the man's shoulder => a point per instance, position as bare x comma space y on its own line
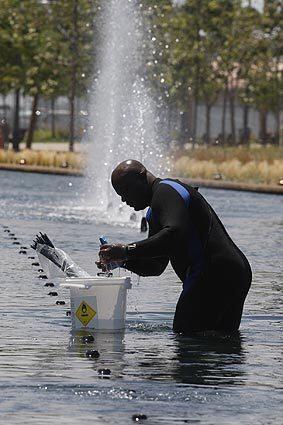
167, 188
167, 183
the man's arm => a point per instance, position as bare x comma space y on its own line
171, 215
147, 266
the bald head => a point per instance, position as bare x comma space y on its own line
132, 181
131, 167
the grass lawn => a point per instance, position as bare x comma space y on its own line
46, 158
255, 164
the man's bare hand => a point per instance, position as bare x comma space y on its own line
114, 252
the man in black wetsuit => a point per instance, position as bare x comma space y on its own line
183, 229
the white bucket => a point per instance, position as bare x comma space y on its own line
98, 302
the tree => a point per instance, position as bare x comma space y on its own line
264, 78
29, 53
41, 53
73, 24
12, 67
181, 43
189, 57
198, 38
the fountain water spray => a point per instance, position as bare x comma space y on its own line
122, 114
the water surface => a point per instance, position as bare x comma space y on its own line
44, 375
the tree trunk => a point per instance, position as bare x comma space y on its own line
277, 126
280, 125
73, 73
190, 117
53, 131
207, 123
279, 116
263, 126
32, 122
232, 116
171, 124
72, 123
16, 122
184, 130
246, 130
195, 121
224, 109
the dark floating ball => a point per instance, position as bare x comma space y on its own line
42, 276
40, 270
139, 417
60, 303
12, 234
5, 227
7, 230
53, 294
35, 264
22, 251
31, 258
16, 243
94, 354
104, 372
87, 339
24, 247
14, 239
49, 284
68, 313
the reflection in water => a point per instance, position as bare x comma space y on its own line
209, 360
110, 342
110, 346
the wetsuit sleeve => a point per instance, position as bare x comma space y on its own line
147, 266
169, 209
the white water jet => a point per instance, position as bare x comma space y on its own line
123, 122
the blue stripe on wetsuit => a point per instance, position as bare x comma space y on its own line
195, 244
179, 188
148, 214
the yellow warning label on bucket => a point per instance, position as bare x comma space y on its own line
85, 313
